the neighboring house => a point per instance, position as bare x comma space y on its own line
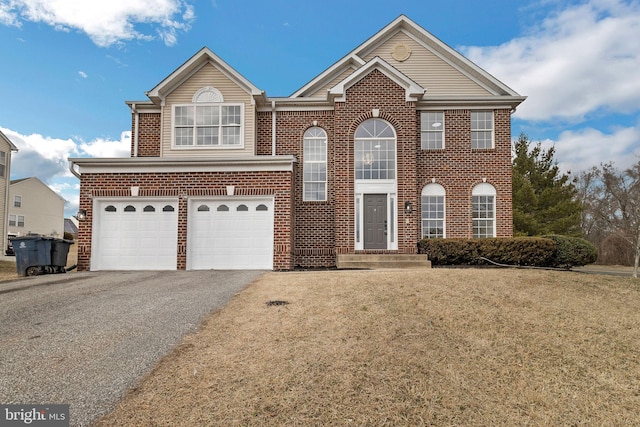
34, 208
402, 138
6, 148
71, 227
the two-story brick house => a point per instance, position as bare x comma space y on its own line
402, 138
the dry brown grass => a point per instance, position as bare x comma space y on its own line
441, 347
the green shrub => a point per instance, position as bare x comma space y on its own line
547, 251
572, 252
529, 251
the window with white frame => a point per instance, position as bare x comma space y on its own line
208, 122
315, 164
17, 201
432, 130
375, 151
481, 129
433, 211
16, 220
483, 207
3, 163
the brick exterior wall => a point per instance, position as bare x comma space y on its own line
311, 234
148, 134
458, 168
182, 186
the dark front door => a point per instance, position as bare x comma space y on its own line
375, 221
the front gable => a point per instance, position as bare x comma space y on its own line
422, 58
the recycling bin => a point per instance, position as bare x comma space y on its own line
33, 254
59, 252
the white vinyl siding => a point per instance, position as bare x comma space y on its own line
207, 76
427, 69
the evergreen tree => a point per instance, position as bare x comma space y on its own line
544, 200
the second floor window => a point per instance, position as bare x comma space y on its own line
207, 125
16, 220
481, 129
315, 164
432, 130
17, 201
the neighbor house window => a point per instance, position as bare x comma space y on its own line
16, 220
433, 211
315, 164
482, 129
483, 207
3, 163
375, 151
432, 130
17, 201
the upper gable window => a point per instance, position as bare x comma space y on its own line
482, 129
208, 122
432, 130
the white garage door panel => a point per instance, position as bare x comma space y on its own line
231, 234
135, 235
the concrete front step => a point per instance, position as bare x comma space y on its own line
377, 261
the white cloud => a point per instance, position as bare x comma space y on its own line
47, 159
579, 60
83, 74
579, 150
106, 22
106, 147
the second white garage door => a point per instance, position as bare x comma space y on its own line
230, 234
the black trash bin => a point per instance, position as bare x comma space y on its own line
59, 253
33, 254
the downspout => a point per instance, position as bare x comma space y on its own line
7, 174
135, 129
273, 128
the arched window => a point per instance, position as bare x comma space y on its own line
242, 208
223, 208
168, 208
262, 208
129, 208
149, 208
110, 208
203, 208
483, 206
315, 164
433, 211
375, 150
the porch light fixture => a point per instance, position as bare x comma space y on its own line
82, 215
408, 207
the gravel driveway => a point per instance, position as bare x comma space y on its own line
84, 338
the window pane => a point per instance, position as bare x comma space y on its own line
315, 164
207, 115
207, 136
432, 130
433, 216
231, 136
184, 116
184, 136
231, 115
481, 129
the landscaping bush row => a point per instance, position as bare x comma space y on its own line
547, 251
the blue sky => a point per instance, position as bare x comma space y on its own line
69, 65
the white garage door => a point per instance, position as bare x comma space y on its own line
135, 235
230, 234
